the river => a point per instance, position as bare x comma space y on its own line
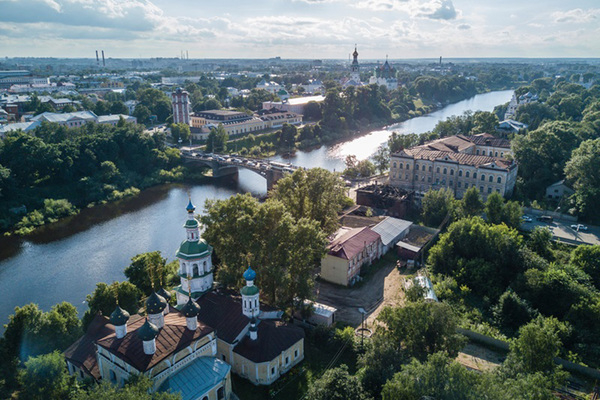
63, 262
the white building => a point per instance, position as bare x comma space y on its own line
295, 105
271, 86
385, 75
354, 79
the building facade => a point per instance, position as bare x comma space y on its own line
458, 163
181, 106
385, 75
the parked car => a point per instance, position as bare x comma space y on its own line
579, 227
545, 218
526, 218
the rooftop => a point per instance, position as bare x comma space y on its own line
390, 228
274, 337
348, 245
196, 378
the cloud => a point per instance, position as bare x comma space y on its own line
576, 15
132, 15
382, 5
464, 27
437, 9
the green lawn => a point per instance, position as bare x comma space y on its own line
294, 384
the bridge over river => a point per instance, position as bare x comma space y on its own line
224, 165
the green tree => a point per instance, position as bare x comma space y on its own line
483, 257
583, 169
381, 158
512, 311
337, 384
484, 122
422, 328
587, 258
540, 241
378, 364
217, 140
139, 387
46, 377
316, 194
150, 271
471, 203
437, 205
494, 208
287, 139
535, 348
118, 107
180, 131
104, 300
142, 114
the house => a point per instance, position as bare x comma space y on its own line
511, 126
391, 230
348, 252
321, 314
558, 189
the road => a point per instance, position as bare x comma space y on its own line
562, 231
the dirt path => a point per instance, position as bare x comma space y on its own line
383, 288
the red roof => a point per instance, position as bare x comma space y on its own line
353, 242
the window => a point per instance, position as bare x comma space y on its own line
482, 177
474, 175
272, 370
467, 174
496, 154
407, 166
429, 179
437, 181
406, 176
221, 393
499, 180
501, 154
491, 179
287, 360
451, 183
480, 189
459, 184
430, 168
489, 190
417, 167
195, 270
423, 178
224, 358
416, 177
451, 172
460, 172
438, 170
445, 171
477, 152
296, 353
394, 164
113, 376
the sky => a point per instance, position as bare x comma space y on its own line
305, 29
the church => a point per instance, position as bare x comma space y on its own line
191, 348
385, 75
354, 78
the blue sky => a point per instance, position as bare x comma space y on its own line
300, 28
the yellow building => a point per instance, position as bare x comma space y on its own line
348, 252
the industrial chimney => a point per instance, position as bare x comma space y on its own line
103, 62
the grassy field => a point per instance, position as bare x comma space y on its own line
294, 384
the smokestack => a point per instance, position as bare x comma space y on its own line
103, 61
187, 55
97, 59
440, 60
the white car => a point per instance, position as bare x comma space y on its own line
579, 227
526, 218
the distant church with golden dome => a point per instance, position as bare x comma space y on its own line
193, 347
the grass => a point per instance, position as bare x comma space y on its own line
294, 384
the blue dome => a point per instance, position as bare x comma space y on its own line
190, 207
249, 275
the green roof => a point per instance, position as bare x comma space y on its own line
194, 249
191, 223
195, 295
249, 290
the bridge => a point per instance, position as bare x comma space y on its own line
225, 165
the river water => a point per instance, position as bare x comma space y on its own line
63, 262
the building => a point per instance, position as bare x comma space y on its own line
559, 189
321, 314
191, 348
24, 126
348, 252
80, 118
515, 102
391, 230
458, 163
269, 86
384, 75
19, 77
295, 105
511, 126
313, 86
354, 78
233, 122
274, 118
181, 106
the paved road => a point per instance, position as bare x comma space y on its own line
561, 230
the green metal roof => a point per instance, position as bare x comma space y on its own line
249, 290
197, 378
191, 223
189, 250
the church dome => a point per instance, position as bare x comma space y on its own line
190, 207
190, 309
191, 223
192, 249
155, 304
249, 275
148, 331
119, 317
162, 292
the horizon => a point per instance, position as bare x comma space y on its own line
317, 29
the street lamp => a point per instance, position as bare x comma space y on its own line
362, 324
